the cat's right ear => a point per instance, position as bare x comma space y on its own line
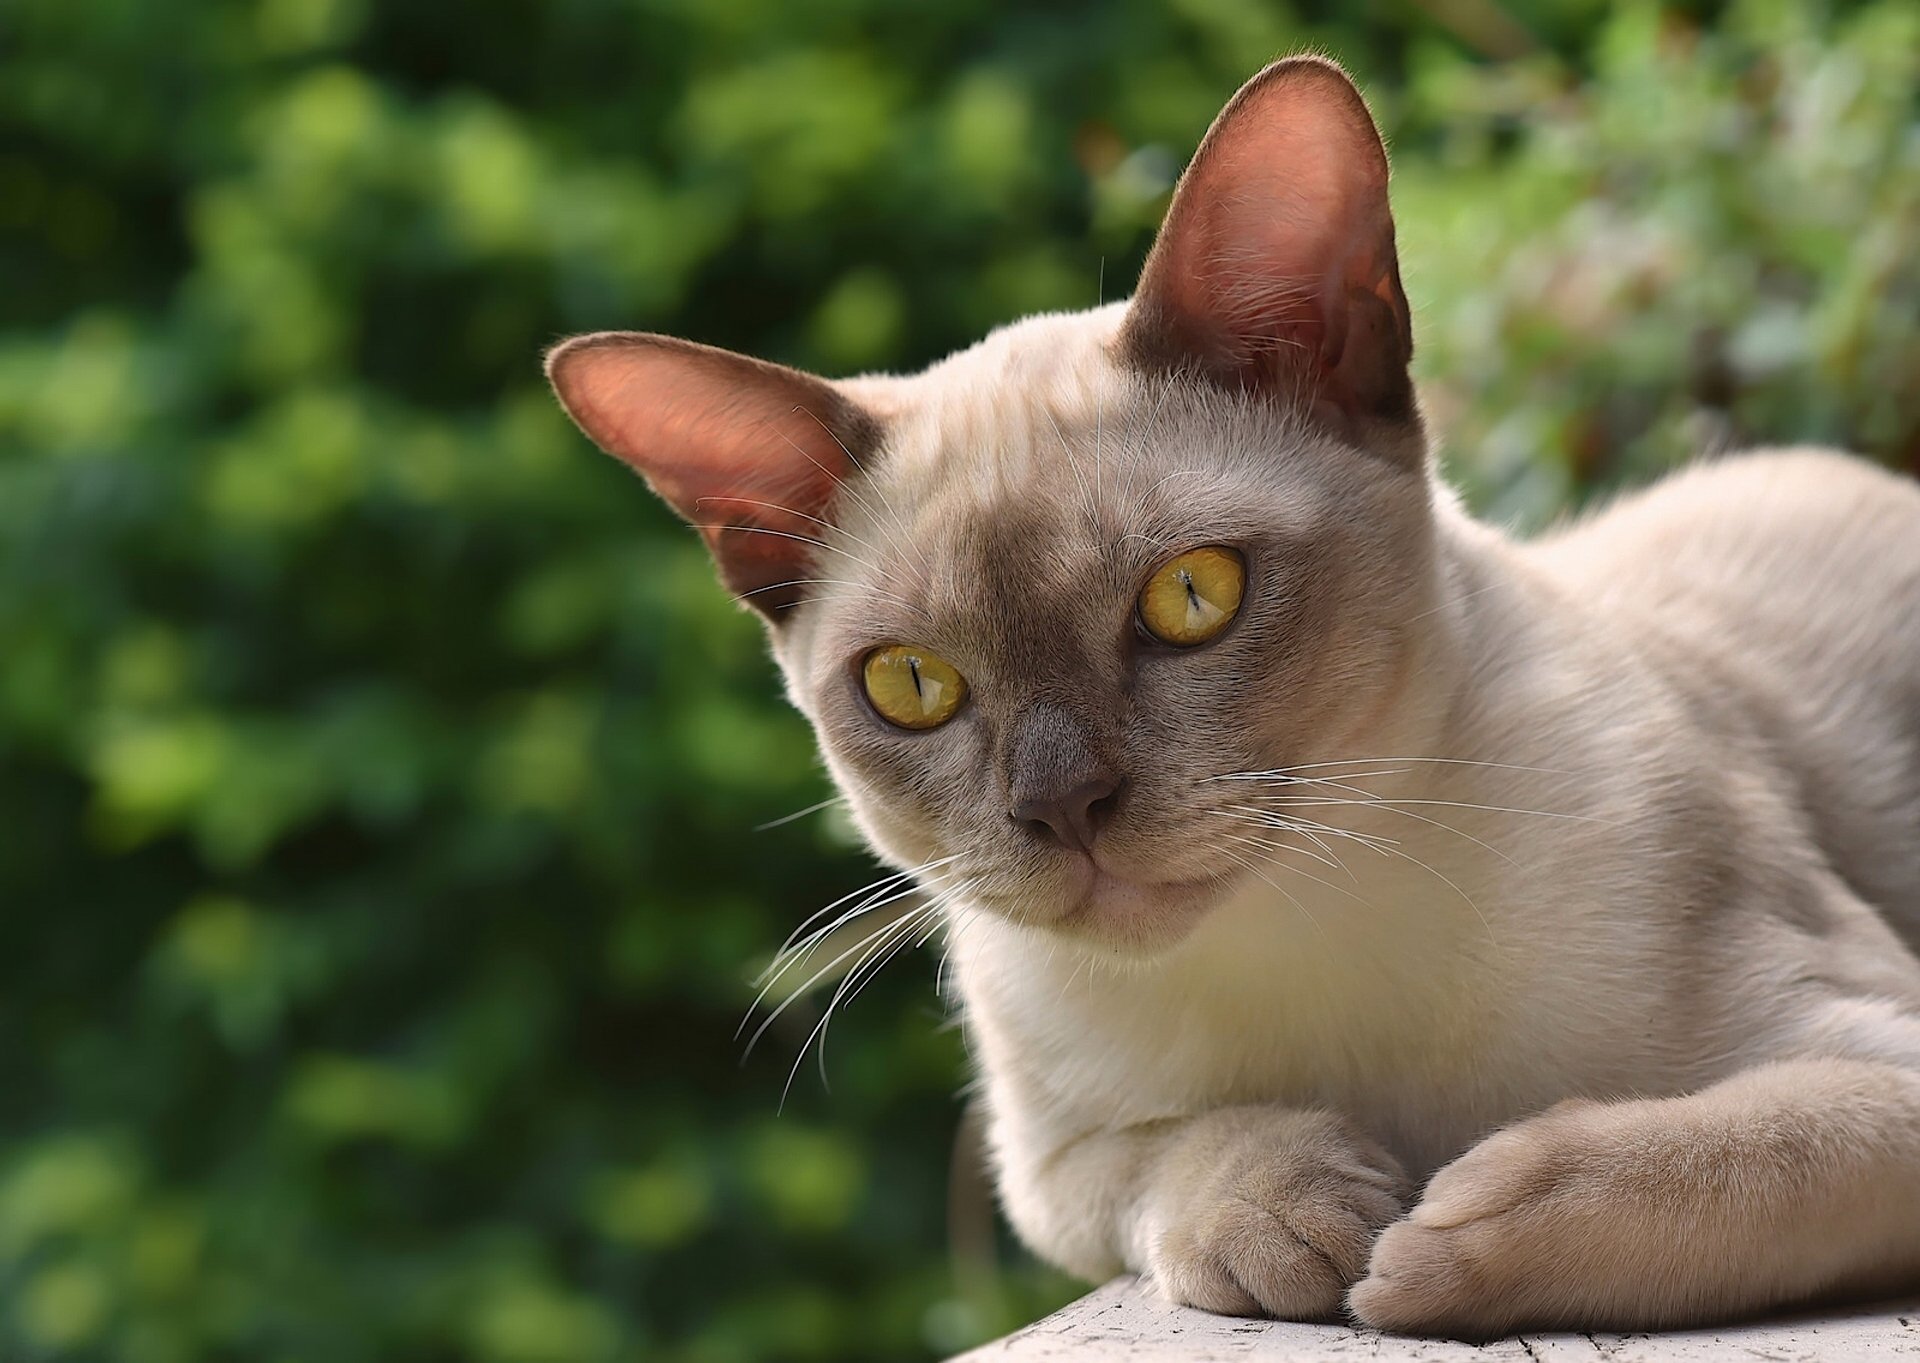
1275, 272
751, 453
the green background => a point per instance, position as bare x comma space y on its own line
379, 765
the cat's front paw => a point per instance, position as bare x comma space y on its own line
1540, 1224
1272, 1215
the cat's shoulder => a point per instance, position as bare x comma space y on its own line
1768, 502
1801, 475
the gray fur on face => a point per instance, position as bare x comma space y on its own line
1013, 538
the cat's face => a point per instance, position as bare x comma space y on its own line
953, 564
1012, 539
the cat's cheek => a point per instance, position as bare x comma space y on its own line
895, 842
905, 793
894, 828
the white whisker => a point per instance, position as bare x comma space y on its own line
880, 519
789, 535
1277, 779
829, 526
1273, 847
1369, 799
1086, 496
1254, 814
1244, 862
798, 948
800, 813
835, 582
839, 482
1391, 802
885, 880
1100, 403
891, 940
1368, 761
1455, 601
856, 949
878, 946
1291, 847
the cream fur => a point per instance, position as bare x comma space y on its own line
1710, 697
1588, 994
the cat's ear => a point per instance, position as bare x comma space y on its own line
751, 453
1275, 269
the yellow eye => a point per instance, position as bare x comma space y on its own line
912, 687
1193, 596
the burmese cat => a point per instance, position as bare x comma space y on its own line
1350, 906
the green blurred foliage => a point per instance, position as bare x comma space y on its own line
379, 766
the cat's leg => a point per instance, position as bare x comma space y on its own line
1245, 1210
1793, 1180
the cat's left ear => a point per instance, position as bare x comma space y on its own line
1275, 270
752, 453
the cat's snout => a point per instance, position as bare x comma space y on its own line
1074, 817
1060, 784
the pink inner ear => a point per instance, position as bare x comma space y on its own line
1276, 266
751, 453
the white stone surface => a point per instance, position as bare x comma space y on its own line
1124, 1322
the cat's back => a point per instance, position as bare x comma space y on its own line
1792, 576
1803, 562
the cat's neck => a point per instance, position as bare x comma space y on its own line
1491, 615
1483, 599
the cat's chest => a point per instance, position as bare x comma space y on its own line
1407, 1035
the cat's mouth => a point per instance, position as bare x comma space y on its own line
1110, 907
1119, 910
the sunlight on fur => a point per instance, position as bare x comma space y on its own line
1387, 917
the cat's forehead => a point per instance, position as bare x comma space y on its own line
1012, 467
1005, 412
1027, 484
1041, 439
1015, 557
1042, 423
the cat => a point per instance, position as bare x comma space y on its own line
1350, 907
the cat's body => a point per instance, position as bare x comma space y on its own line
1646, 759
1303, 841
1646, 703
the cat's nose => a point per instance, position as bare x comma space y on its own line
1073, 817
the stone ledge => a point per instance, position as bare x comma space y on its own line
1124, 1321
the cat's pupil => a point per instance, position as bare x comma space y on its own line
913, 670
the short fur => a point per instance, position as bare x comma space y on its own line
1488, 934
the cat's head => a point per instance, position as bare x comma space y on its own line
1037, 599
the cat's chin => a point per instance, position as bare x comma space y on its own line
1140, 917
